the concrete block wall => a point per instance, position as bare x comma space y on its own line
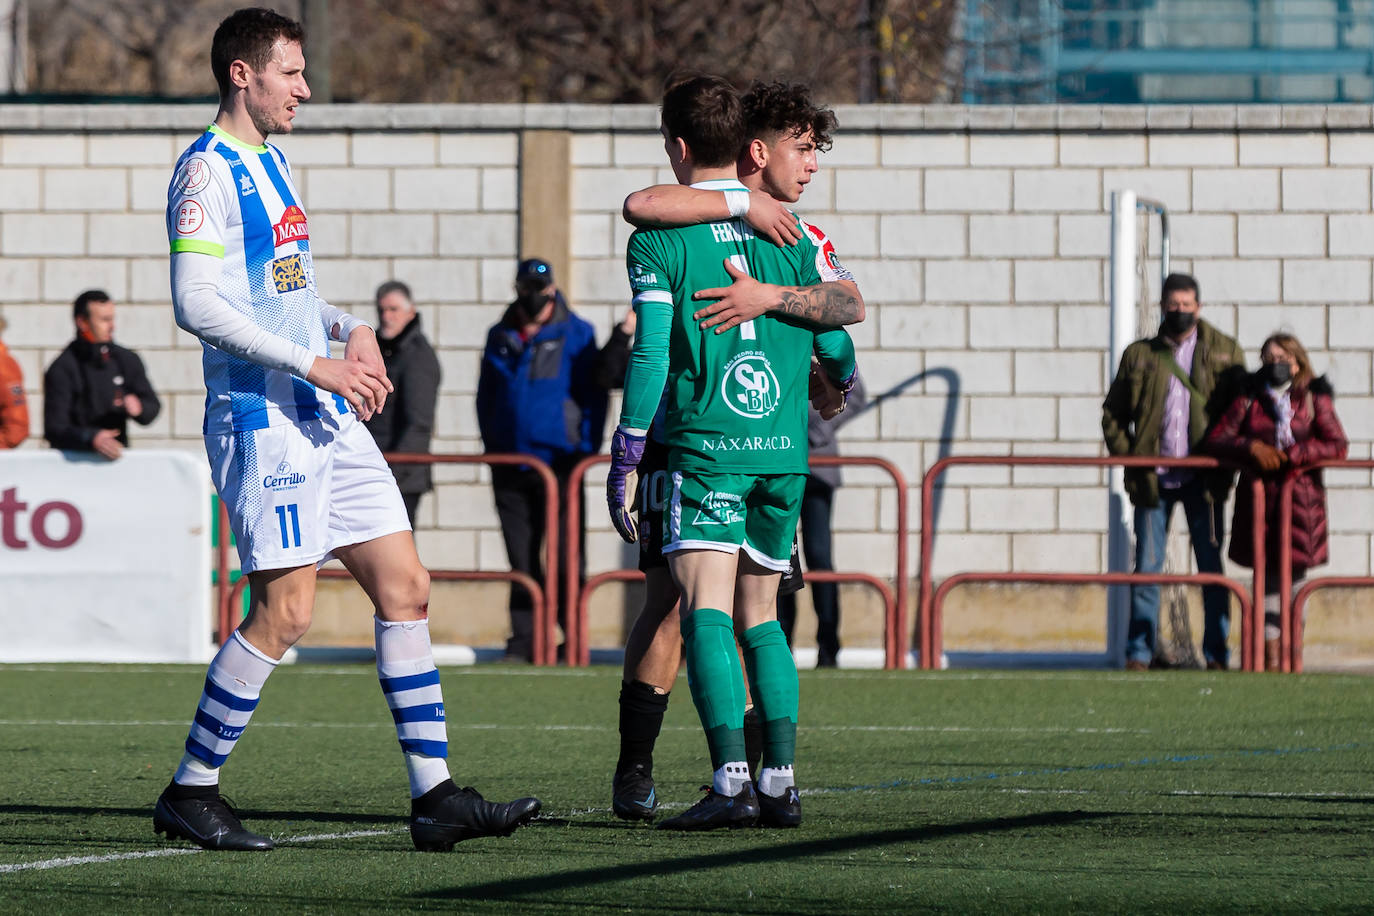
979, 236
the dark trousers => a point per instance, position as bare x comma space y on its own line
817, 505
520, 506
412, 504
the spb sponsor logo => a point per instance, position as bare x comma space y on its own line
750, 387
284, 479
288, 274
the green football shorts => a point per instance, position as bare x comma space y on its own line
728, 511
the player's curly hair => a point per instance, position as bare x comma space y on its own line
706, 112
249, 35
777, 109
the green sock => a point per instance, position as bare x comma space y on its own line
716, 682
773, 680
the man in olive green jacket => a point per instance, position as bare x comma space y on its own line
1167, 392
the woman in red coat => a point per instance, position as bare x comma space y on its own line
1283, 420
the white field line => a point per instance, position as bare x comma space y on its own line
500, 726
68, 861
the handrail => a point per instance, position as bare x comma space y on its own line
890, 630
929, 637
895, 623
524, 580
1290, 607
1033, 578
544, 610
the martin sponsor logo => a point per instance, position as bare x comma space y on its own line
292, 227
747, 444
733, 231
284, 479
749, 386
246, 188
719, 509
288, 274
194, 177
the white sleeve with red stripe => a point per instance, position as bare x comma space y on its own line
827, 262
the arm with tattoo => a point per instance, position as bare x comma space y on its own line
826, 305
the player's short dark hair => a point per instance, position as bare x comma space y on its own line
1176, 282
81, 308
249, 35
773, 110
393, 286
706, 112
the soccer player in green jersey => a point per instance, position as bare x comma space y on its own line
736, 434
786, 130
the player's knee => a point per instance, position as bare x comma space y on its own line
290, 618
405, 596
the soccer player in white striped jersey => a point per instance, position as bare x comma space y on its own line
300, 475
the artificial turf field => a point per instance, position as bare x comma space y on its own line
955, 791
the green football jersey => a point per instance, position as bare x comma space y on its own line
736, 402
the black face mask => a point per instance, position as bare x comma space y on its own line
1176, 324
1276, 374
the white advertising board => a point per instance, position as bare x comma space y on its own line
104, 561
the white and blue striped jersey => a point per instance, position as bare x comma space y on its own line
236, 202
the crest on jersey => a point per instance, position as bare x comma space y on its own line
292, 227
190, 217
288, 274
194, 177
750, 387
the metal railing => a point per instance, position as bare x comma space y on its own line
1291, 606
894, 600
930, 630
544, 606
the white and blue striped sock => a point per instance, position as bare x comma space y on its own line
231, 693
405, 667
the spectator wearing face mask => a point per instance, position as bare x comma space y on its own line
538, 394
1168, 390
1283, 419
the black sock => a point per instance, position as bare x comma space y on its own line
753, 739
178, 791
641, 719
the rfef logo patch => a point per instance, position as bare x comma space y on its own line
292, 227
749, 385
288, 274
190, 217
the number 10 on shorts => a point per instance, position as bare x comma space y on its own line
295, 531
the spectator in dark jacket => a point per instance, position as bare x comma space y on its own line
407, 423
1283, 420
95, 386
818, 505
537, 395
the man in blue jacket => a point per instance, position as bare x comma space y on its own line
537, 395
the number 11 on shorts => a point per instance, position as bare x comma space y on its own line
295, 532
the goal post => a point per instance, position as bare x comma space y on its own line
1124, 326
